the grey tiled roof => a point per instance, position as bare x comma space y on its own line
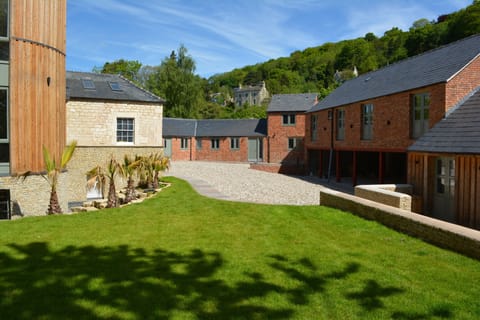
459, 132
214, 128
232, 128
435, 66
292, 102
173, 127
103, 91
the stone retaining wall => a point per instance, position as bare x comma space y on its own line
437, 232
30, 197
395, 195
85, 158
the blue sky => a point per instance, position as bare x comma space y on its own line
225, 34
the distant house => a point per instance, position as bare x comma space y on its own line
109, 116
252, 95
444, 165
236, 140
286, 132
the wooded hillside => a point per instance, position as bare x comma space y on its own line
318, 69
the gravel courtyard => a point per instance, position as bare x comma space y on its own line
234, 181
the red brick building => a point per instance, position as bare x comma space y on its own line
286, 132
444, 165
236, 140
361, 132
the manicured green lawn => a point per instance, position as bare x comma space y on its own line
179, 255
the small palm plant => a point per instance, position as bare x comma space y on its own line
146, 169
53, 170
98, 174
160, 164
129, 169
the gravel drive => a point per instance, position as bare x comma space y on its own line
236, 181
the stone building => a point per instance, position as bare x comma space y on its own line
108, 116
252, 95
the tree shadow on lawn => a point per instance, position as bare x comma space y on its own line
125, 283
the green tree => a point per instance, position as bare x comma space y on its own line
464, 23
127, 68
175, 81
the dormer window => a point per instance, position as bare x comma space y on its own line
115, 86
88, 84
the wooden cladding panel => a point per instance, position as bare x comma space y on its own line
42, 21
415, 172
468, 191
37, 105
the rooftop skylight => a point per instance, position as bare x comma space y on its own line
115, 86
88, 84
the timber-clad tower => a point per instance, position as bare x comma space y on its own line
32, 78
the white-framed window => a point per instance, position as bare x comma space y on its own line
367, 121
294, 143
288, 119
420, 114
184, 143
234, 143
126, 130
199, 143
215, 144
340, 124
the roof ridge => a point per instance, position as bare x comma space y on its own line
138, 87
407, 59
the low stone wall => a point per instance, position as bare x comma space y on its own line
86, 157
395, 195
443, 234
31, 196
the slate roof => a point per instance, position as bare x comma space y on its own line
459, 132
214, 127
292, 102
232, 128
435, 66
103, 91
173, 127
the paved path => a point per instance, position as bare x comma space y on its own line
233, 181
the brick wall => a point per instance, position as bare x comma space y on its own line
391, 122
463, 83
93, 123
178, 153
278, 134
225, 152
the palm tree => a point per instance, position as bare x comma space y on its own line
160, 164
98, 174
53, 170
129, 169
146, 168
